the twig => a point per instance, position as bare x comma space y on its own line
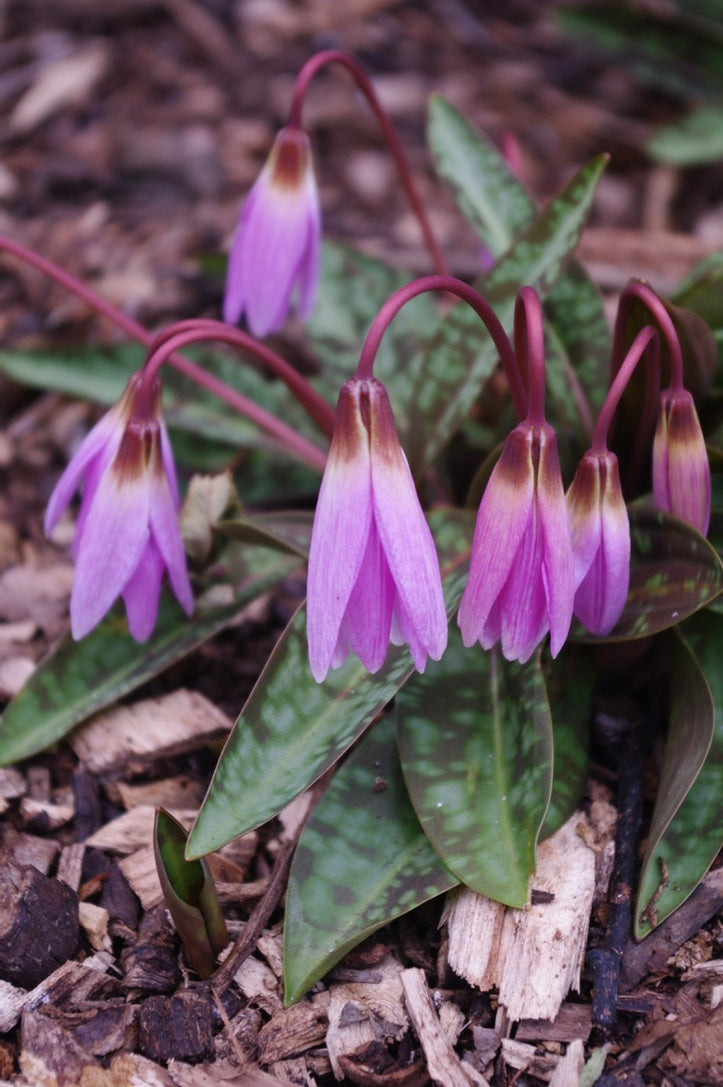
606, 960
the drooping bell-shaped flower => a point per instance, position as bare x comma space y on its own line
373, 569
127, 533
681, 472
600, 535
275, 251
521, 569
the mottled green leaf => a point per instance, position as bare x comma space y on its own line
190, 895
362, 861
100, 375
695, 139
292, 729
499, 209
570, 682
353, 289
686, 830
80, 678
460, 358
488, 194
475, 739
674, 571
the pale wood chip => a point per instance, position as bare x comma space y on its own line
141, 872
537, 955
21, 631
132, 1070
291, 1031
133, 830
25, 848
259, 984
60, 83
94, 922
70, 864
174, 792
156, 727
443, 1064
361, 1013
271, 946
14, 674
53, 815
12, 1002
567, 1073
12, 783
205, 1075
293, 1071
523, 1057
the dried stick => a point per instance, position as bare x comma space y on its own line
606, 960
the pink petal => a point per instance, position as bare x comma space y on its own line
502, 520
523, 602
557, 561
115, 534
369, 611
101, 442
166, 532
142, 592
340, 532
404, 532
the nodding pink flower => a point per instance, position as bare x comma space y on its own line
276, 247
600, 534
373, 569
681, 472
127, 531
521, 569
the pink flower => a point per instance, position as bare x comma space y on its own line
276, 246
373, 569
521, 569
600, 533
681, 472
127, 531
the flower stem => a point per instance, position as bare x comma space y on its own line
646, 338
469, 295
330, 56
636, 289
530, 351
280, 432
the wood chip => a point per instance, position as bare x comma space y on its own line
14, 674
153, 728
94, 922
141, 872
60, 83
70, 865
172, 793
572, 1021
133, 830
534, 956
567, 1073
50, 815
359, 1013
293, 1030
444, 1066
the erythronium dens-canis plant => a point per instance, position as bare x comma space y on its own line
429, 433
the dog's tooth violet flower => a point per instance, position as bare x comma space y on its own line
275, 251
127, 531
681, 472
521, 571
600, 534
373, 569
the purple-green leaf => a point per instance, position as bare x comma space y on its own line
190, 895
475, 739
686, 830
362, 861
